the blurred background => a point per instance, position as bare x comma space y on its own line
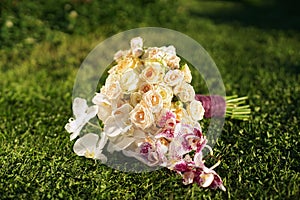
24, 21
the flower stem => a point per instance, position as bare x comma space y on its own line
95, 126
236, 108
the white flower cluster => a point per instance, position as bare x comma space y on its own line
149, 112
144, 86
141, 88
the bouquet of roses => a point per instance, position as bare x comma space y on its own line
149, 111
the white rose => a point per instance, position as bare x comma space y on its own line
136, 46
195, 110
173, 77
187, 119
129, 81
170, 50
120, 55
170, 58
172, 61
153, 100
112, 88
153, 73
112, 78
185, 92
124, 64
141, 116
154, 53
187, 73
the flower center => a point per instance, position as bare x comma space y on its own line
140, 116
149, 73
146, 88
173, 76
89, 154
154, 100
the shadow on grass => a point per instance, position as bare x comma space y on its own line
270, 14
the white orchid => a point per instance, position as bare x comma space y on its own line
118, 122
90, 146
82, 114
136, 46
104, 106
125, 140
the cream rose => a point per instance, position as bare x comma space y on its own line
153, 73
195, 110
112, 90
173, 77
186, 73
172, 61
169, 50
170, 58
166, 93
144, 87
185, 92
125, 63
129, 81
153, 100
154, 53
141, 116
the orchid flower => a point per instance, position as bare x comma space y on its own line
123, 141
90, 146
150, 154
82, 114
118, 122
104, 106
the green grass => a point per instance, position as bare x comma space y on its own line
260, 158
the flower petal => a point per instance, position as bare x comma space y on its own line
100, 156
79, 107
86, 143
111, 128
207, 179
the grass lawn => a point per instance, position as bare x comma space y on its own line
42, 43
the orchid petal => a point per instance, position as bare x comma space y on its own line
86, 143
79, 107
207, 179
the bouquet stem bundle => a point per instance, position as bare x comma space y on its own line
233, 107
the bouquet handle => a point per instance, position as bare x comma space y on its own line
233, 107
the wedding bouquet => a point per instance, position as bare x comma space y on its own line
149, 111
